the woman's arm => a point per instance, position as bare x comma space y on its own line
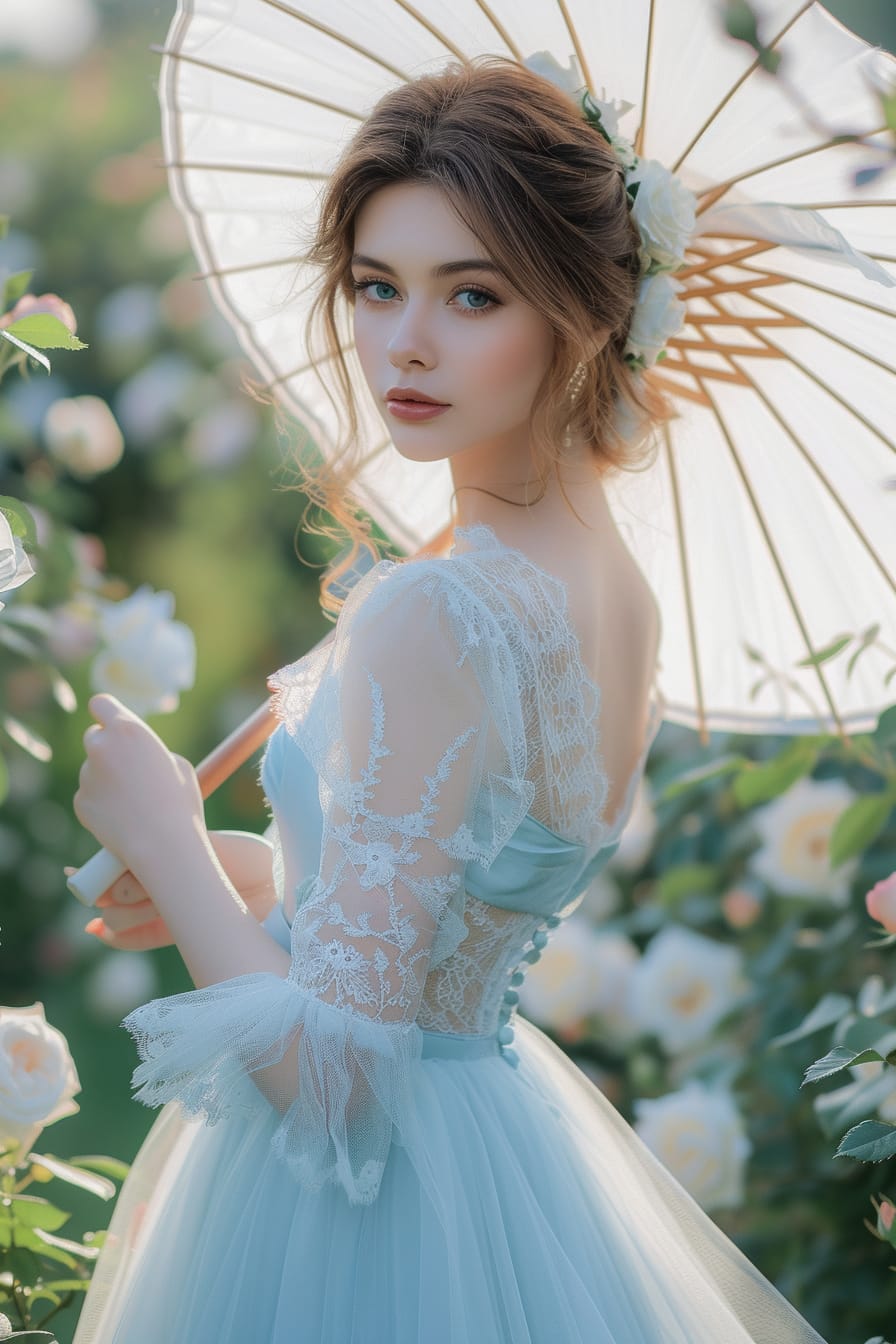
130, 922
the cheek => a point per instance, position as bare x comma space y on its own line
515, 360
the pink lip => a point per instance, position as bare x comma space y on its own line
414, 410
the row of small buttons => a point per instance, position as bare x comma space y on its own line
511, 996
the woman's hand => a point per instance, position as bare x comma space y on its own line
131, 922
134, 794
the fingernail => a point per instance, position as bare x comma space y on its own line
93, 927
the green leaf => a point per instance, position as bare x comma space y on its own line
32, 1211
858, 825
835, 1060
4, 225
871, 1141
827, 1011
67, 1171
760, 783
828, 652
685, 879
45, 331
741, 23
20, 519
769, 59
855, 1101
884, 734
15, 287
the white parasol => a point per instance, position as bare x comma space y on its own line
766, 528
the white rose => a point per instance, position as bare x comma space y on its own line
83, 434
37, 1075
568, 79
15, 567
658, 314
697, 1134
665, 212
614, 958
795, 830
149, 657
683, 985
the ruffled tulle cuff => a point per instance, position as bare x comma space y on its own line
343, 1093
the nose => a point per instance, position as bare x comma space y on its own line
409, 343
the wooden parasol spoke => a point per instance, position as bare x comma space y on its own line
687, 587
794, 605
699, 371
715, 347
734, 88
816, 468
732, 287
732, 320
174, 55
715, 259
678, 389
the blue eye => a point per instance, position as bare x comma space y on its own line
362, 286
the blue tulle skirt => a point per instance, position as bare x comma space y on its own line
522, 1209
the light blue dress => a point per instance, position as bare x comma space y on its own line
425, 1167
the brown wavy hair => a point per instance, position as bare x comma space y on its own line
544, 193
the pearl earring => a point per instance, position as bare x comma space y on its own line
574, 387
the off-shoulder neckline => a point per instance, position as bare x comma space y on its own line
482, 532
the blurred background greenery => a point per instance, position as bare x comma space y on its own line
187, 501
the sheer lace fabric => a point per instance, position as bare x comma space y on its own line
450, 706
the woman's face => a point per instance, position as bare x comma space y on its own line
464, 338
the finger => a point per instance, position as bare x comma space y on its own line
121, 918
126, 891
104, 706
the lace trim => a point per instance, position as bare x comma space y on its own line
483, 537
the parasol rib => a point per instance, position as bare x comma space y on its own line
709, 196
638, 145
811, 462
838, 340
431, 28
577, 44
338, 37
776, 561
258, 83
734, 88
686, 585
183, 165
834, 293
841, 400
501, 31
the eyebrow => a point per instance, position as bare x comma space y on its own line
448, 268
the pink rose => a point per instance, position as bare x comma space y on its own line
29, 305
885, 1215
881, 902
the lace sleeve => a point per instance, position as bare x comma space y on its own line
415, 729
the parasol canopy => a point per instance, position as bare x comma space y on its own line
767, 526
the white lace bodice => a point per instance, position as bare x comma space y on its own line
449, 737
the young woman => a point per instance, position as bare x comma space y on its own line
363, 1142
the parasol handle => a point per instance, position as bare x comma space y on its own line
99, 872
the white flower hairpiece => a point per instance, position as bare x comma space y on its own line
662, 207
